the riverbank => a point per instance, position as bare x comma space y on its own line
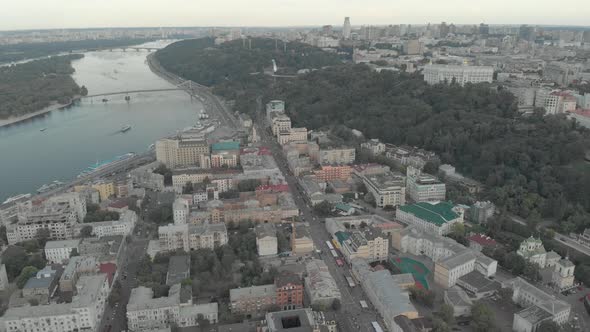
50, 108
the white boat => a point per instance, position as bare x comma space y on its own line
125, 128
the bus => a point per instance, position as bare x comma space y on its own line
376, 327
364, 305
336, 244
339, 262
334, 253
330, 246
350, 282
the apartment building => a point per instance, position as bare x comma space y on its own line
145, 312
331, 173
366, 242
58, 219
289, 288
336, 155
388, 189
320, 286
180, 211
58, 252
181, 151
266, 240
433, 217
434, 74
192, 237
424, 187
84, 313
254, 300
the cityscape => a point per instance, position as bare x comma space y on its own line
350, 177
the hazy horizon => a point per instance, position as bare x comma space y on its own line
72, 14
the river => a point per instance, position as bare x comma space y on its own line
89, 131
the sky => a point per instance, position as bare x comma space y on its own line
52, 14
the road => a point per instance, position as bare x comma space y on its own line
351, 316
116, 316
210, 101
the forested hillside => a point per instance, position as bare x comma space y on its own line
236, 69
532, 166
31, 86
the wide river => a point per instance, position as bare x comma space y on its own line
88, 132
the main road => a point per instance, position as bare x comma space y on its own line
351, 317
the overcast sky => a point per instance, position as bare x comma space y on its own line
43, 14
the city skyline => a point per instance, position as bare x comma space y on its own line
64, 14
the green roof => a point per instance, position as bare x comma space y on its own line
341, 236
438, 214
225, 146
342, 207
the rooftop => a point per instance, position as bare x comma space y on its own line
62, 244
483, 240
534, 314
457, 260
231, 145
386, 181
436, 213
479, 282
238, 294
457, 297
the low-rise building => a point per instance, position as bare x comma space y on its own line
320, 286
529, 296
336, 155
44, 283
146, 312
386, 296
563, 275
448, 270
459, 300
435, 218
145, 177
480, 212
266, 240
434, 74
388, 189
59, 251
480, 241
374, 147
254, 300
122, 227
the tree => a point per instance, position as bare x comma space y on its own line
548, 326
43, 235
202, 322
188, 188
74, 253
483, 318
336, 305
422, 296
83, 90
25, 275
439, 325
15, 259
248, 185
115, 296
86, 231
447, 313
323, 209
370, 199
3, 237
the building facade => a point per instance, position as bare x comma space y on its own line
434, 74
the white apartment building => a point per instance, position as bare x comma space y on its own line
146, 312
388, 189
558, 102
180, 211
368, 243
434, 74
336, 156
57, 252
447, 271
423, 187
124, 226
280, 122
192, 237
84, 313
374, 146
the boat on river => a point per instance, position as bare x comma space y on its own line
125, 128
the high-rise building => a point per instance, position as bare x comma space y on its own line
346, 28
181, 151
484, 29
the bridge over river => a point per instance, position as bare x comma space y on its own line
129, 91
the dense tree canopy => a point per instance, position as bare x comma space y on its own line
32, 86
532, 166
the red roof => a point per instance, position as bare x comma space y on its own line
482, 239
119, 204
583, 112
109, 269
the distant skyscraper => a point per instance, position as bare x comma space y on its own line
484, 29
346, 29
